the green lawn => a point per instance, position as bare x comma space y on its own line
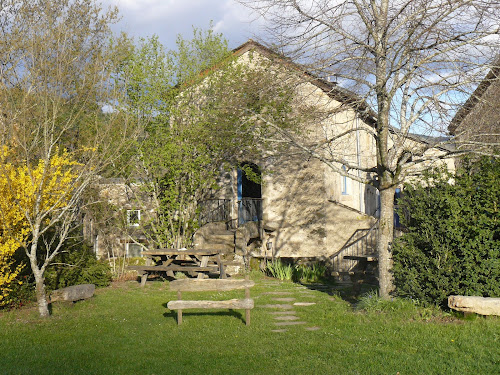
128, 330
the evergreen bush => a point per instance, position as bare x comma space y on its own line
452, 239
78, 266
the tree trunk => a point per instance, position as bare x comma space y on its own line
384, 240
41, 297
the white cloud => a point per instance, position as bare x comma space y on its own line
167, 18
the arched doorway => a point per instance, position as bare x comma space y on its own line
249, 193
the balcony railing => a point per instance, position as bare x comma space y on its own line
214, 210
249, 209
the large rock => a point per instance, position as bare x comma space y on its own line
478, 305
73, 293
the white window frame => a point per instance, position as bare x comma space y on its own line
129, 214
127, 251
344, 182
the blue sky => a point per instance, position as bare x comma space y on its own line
167, 18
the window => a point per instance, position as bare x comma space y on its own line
133, 250
345, 182
133, 217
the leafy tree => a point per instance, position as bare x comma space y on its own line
452, 243
195, 105
12, 230
59, 61
412, 61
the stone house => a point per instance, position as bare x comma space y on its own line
114, 224
476, 125
301, 208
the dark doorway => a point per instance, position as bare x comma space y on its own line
249, 193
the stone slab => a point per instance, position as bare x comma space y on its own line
284, 299
475, 304
304, 303
277, 306
286, 317
283, 312
312, 328
73, 293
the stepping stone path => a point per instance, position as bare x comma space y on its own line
285, 299
285, 316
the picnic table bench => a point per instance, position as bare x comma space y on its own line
219, 285
197, 262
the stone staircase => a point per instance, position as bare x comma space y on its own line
235, 244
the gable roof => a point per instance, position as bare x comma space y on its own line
490, 78
330, 88
335, 92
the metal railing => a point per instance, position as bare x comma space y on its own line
249, 209
214, 210
363, 242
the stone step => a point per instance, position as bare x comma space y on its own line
286, 318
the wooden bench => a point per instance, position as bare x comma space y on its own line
218, 285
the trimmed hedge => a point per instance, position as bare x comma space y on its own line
452, 243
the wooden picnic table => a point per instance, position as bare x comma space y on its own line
193, 261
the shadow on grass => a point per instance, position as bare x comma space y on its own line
346, 291
173, 314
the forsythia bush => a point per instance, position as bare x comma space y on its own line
20, 189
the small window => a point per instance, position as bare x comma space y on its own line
134, 250
133, 217
345, 182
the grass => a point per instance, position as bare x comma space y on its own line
128, 330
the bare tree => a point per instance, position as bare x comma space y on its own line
412, 61
56, 75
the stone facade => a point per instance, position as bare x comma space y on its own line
477, 125
115, 222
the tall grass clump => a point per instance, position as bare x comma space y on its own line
404, 307
280, 270
310, 273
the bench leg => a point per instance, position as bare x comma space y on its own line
204, 263
222, 272
144, 278
179, 312
247, 296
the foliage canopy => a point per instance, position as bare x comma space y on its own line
453, 241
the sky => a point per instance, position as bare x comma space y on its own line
167, 18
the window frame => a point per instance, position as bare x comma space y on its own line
135, 223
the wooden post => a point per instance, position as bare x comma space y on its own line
179, 312
222, 272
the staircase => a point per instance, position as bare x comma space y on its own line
363, 242
215, 236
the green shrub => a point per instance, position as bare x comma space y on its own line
22, 293
310, 273
452, 244
77, 267
280, 270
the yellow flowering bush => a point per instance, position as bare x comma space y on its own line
25, 192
